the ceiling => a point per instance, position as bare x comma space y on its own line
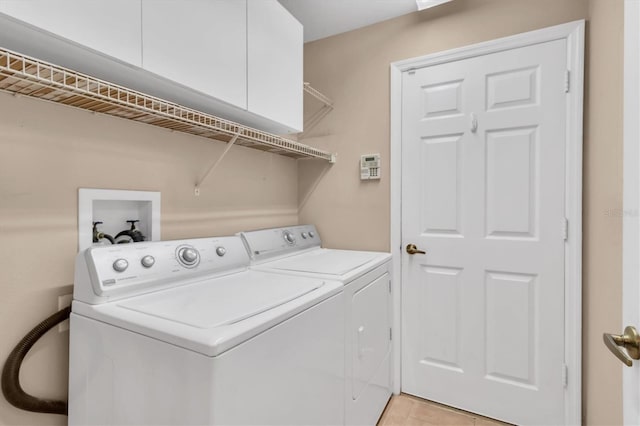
324, 18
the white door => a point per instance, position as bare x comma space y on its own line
631, 225
483, 178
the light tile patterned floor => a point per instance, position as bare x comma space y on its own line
407, 410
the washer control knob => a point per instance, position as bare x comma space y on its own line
221, 251
120, 265
148, 261
288, 237
189, 255
312, 234
304, 235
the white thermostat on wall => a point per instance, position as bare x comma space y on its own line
370, 167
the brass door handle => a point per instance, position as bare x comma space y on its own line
630, 341
412, 249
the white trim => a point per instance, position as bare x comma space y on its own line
573, 33
573, 245
395, 161
631, 202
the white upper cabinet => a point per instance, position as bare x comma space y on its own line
275, 45
238, 59
201, 44
111, 27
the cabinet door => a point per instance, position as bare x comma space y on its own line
371, 339
108, 26
201, 44
275, 43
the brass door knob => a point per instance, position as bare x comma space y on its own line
630, 341
412, 249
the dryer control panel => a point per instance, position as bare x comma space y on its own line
268, 243
122, 270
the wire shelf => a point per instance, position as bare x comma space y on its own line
23, 75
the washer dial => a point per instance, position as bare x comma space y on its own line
188, 256
148, 261
289, 238
120, 265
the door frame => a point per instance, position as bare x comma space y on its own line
573, 33
631, 200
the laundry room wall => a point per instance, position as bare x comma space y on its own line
47, 152
353, 70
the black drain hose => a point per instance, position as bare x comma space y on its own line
107, 236
11, 372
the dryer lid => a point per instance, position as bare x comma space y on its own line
221, 302
326, 261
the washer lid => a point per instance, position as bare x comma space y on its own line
326, 261
222, 302
214, 315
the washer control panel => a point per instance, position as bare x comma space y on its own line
267, 243
123, 270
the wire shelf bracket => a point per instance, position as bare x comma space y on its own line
23, 75
326, 108
233, 140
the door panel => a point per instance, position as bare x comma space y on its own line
513, 88
483, 142
441, 190
443, 100
511, 311
511, 168
441, 311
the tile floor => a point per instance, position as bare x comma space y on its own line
407, 410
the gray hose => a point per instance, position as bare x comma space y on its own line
11, 388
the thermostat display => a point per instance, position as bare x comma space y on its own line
370, 167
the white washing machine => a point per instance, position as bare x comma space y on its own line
181, 332
368, 317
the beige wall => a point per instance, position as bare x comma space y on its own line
353, 69
47, 152
602, 252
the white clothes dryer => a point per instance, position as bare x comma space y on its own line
181, 332
366, 276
